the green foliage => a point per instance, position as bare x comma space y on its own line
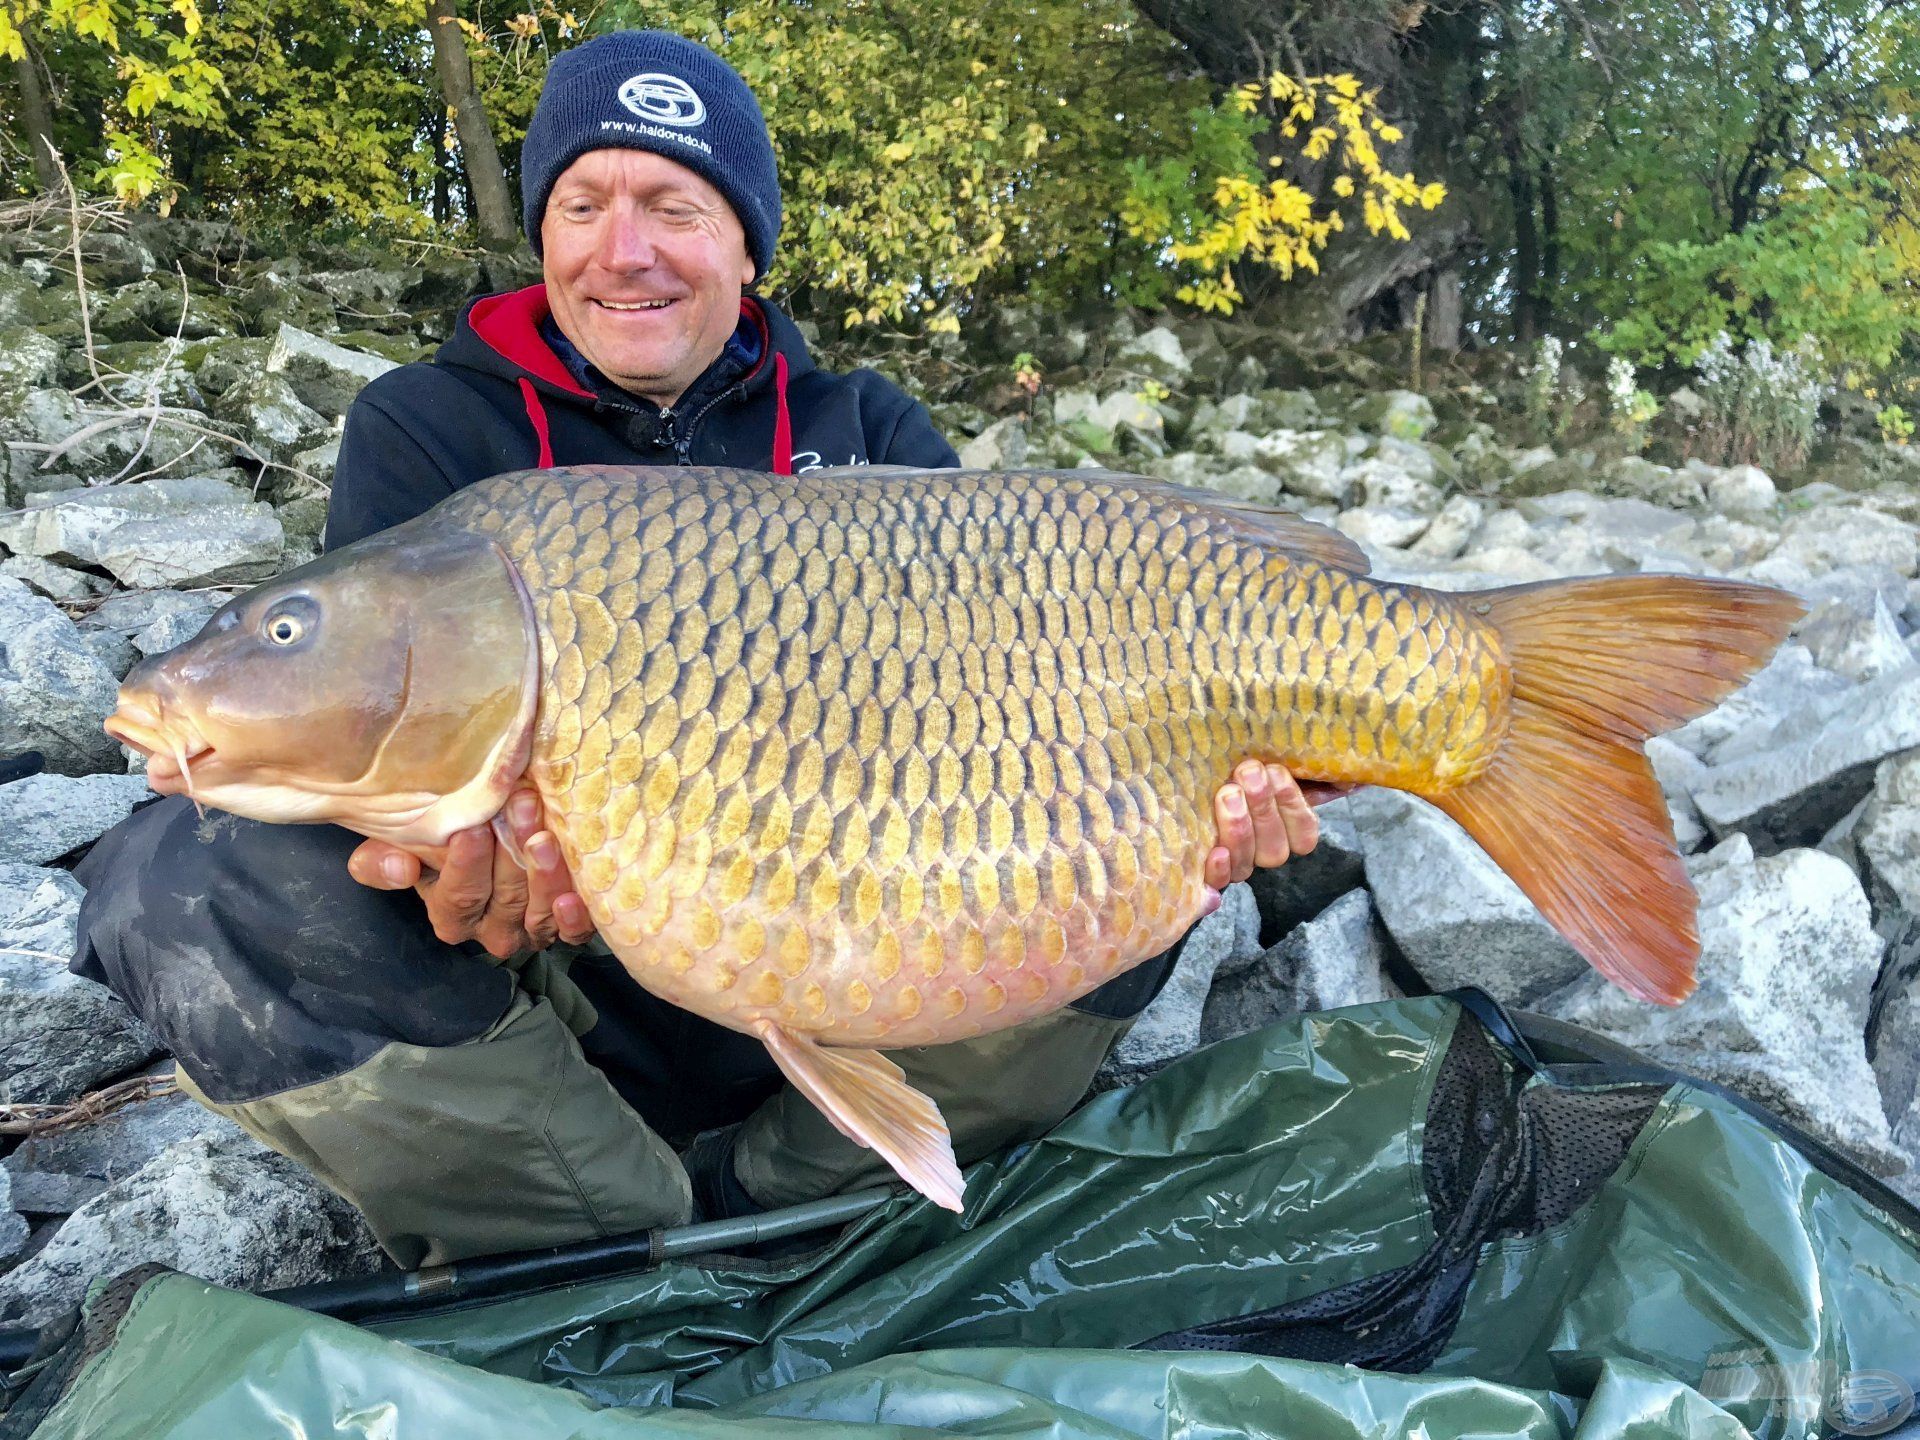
933, 154
155, 54
1896, 426
1813, 270
1663, 172
325, 114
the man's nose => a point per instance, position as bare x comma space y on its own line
627, 244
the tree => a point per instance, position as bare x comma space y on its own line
35, 115
492, 200
154, 45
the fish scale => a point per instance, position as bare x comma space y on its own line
902, 765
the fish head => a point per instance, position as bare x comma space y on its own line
389, 687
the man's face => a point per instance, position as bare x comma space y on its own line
644, 263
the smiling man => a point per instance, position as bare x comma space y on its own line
474, 1072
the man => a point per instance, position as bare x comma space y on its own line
468, 1086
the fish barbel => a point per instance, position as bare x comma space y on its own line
870, 758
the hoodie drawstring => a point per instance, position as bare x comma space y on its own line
537, 416
782, 423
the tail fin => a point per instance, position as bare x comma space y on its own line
1569, 807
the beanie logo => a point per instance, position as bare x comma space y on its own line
665, 98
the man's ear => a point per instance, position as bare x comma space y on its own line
748, 274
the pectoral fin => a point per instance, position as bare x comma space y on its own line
867, 1098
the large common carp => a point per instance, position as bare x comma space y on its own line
872, 758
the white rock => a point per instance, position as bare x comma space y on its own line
1248, 482
1744, 722
1335, 959
28, 360
1745, 492
324, 375
1503, 529
1814, 766
1157, 354
1170, 1026
271, 415
69, 526
1383, 484
1888, 840
54, 690
1860, 647
1238, 446
1678, 770
60, 1035
56, 582
223, 1208
1454, 914
1309, 462
46, 816
1374, 527
1828, 537
1788, 958
1402, 414
208, 547
1002, 443
37, 910
1447, 536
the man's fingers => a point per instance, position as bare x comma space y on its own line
381, 866
1218, 870
552, 896
547, 882
457, 897
1271, 842
1302, 825
570, 914
1234, 838
503, 930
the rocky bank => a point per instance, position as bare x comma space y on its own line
174, 443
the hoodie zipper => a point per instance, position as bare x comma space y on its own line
683, 448
665, 435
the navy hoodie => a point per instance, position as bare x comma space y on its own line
501, 395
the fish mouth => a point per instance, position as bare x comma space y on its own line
141, 722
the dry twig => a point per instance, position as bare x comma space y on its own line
50, 1119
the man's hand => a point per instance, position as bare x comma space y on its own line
1263, 818
480, 894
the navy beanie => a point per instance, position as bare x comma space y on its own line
651, 90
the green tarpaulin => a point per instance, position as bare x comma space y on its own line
1384, 1221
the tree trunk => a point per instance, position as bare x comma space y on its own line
1444, 311
442, 168
492, 202
1526, 240
37, 116
1543, 295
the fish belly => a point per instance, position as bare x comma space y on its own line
895, 761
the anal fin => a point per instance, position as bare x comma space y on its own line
867, 1098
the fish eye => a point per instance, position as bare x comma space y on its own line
284, 628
